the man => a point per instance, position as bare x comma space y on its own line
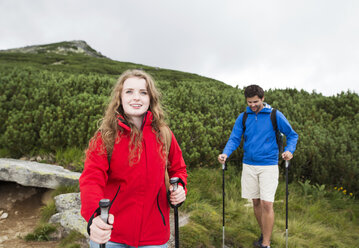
260, 161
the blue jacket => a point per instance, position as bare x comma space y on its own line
260, 146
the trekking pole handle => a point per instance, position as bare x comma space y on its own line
104, 206
287, 164
174, 182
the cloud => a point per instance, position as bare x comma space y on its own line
302, 44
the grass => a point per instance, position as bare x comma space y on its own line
71, 158
41, 233
318, 217
47, 211
5, 153
70, 241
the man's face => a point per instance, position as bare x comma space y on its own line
255, 103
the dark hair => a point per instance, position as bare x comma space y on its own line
253, 90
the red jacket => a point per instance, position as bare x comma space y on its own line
141, 209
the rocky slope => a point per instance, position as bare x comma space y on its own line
64, 48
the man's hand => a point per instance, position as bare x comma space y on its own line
287, 155
222, 158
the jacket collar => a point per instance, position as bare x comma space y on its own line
266, 109
147, 120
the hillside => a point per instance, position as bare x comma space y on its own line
51, 103
78, 57
63, 48
52, 98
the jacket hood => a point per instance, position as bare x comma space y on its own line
266, 109
147, 120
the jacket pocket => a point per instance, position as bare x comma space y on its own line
159, 208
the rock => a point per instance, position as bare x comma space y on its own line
56, 218
36, 174
4, 216
70, 201
69, 215
59, 234
3, 238
72, 220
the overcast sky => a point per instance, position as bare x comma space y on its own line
303, 44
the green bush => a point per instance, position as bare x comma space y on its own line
47, 107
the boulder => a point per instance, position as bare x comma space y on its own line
69, 216
36, 174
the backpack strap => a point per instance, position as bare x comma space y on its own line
278, 134
273, 117
167, 142
245, 115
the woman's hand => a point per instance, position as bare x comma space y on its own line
177, 196
100, 232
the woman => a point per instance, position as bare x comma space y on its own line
126, 162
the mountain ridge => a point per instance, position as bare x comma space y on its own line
63, 48
78, 57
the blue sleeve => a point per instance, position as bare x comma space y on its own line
287, 130
235, 139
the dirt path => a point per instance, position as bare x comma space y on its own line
22, 204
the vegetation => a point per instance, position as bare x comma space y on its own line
71, 240
55, 108
51, 104
318, 217
41, 233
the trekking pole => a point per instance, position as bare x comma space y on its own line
104, 205
286, 202
174, 182
224, 167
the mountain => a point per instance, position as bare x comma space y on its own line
78, 57
64, 48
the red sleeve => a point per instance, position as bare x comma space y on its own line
177, 166
93, 178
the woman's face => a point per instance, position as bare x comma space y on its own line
134, 97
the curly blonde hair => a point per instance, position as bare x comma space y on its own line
109, 129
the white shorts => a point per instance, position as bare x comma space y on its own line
259, 182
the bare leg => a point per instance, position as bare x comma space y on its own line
267, 221
258, 211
